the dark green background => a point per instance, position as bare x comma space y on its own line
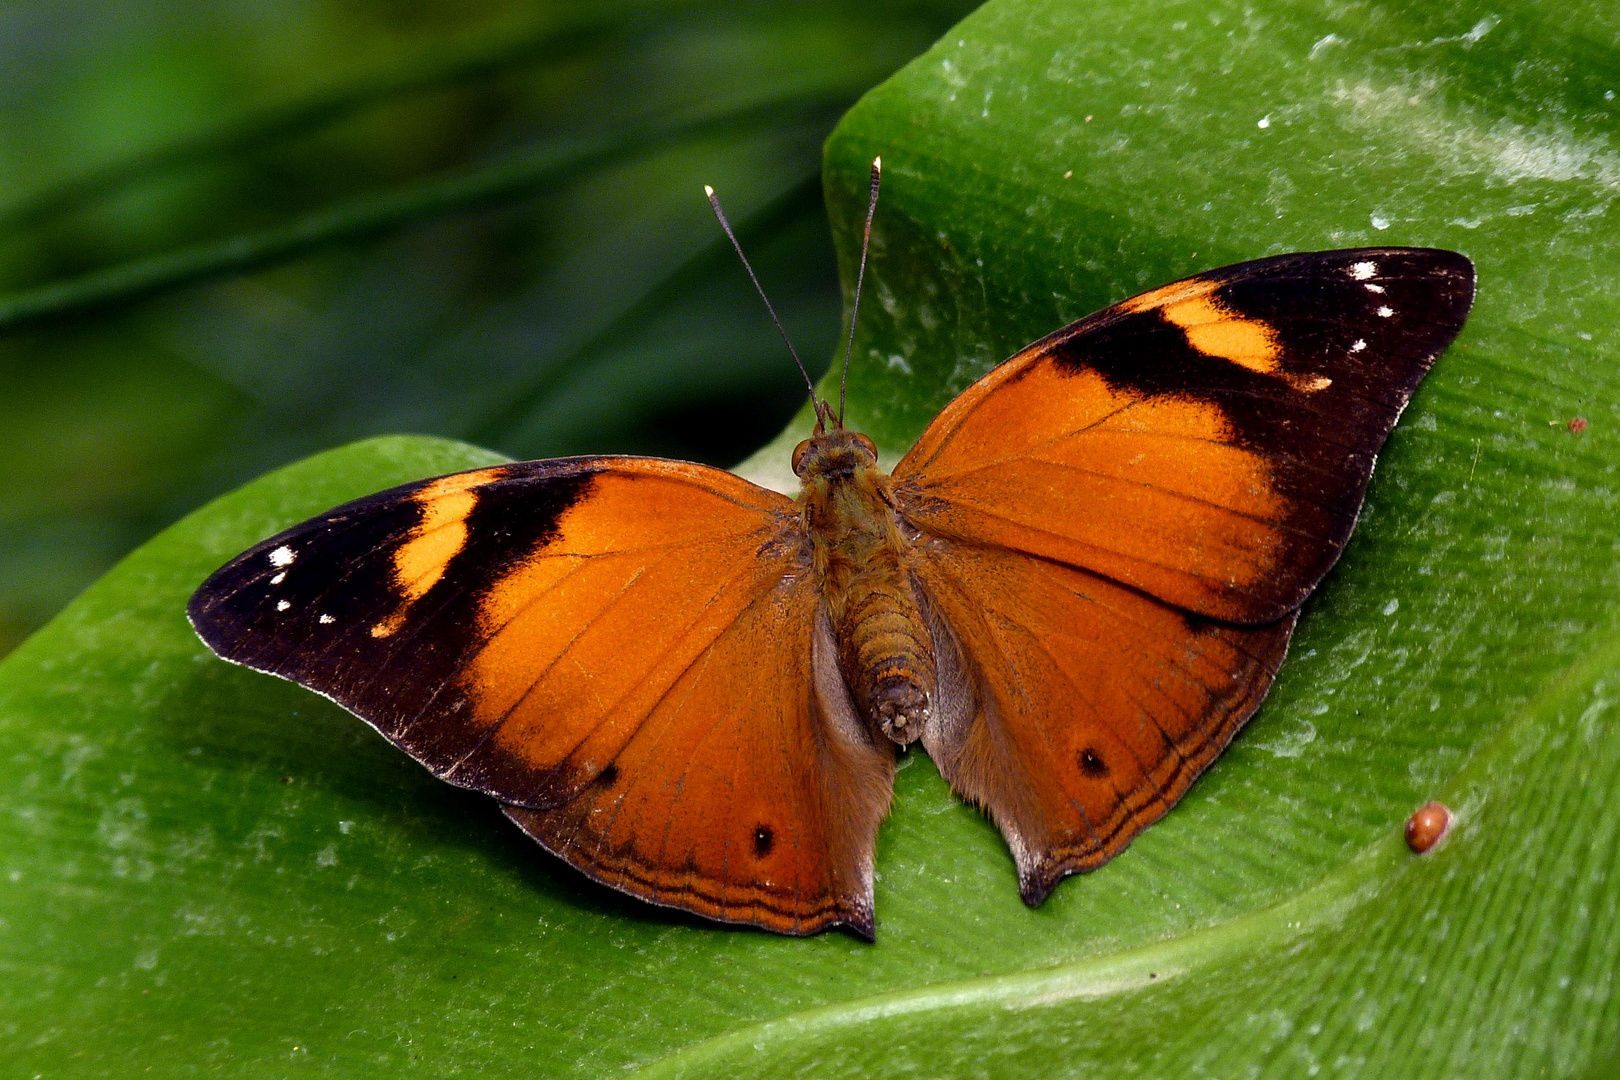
410, 264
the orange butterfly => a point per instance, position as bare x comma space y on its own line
1073, 590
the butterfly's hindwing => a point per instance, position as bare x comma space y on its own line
750, 793
1093, 708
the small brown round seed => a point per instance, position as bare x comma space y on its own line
1426, 826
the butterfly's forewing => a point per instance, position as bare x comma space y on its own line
1208, 442
1117, 526
624, 651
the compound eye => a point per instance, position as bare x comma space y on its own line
798, 456
871, 447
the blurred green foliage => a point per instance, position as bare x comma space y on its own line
232, 234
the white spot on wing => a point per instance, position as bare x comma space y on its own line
282, 556
1386, 311
279, 578
1370, 287
1309, 384
1358, 345
282, 605
327, 620
1361, 271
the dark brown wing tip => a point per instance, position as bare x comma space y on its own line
1037, 882
1457, 265
860, 922
197, 615
1033, 892
200, 603
202, 614
1455, 268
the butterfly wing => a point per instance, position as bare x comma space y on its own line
770, 812
629, 653
1208, 442
1074, 710
1116, 528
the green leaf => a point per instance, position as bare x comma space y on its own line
206, 869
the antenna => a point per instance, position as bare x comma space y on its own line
860, 276
714, 201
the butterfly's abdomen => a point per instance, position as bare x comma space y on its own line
885, 651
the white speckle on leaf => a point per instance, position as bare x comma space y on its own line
1290, 744
1386, 312
282, 605
1460, 141
1481, 28
1325, 43
1380, 222
1467, 41
345, 826
1263, 123
327, 856
1392, 607
282, 556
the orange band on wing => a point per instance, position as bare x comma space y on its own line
1215, 329
420, 561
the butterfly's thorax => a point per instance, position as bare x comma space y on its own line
884, 648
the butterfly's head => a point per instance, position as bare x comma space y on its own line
833, 455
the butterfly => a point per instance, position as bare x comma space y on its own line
1073, 590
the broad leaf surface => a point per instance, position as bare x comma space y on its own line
207, 870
